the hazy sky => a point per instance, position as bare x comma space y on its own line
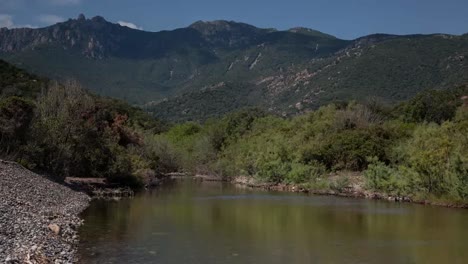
343, 18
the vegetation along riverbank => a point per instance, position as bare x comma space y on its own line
415, 151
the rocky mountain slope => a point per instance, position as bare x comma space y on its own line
210, 68
381, 68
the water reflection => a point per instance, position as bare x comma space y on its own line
216, 223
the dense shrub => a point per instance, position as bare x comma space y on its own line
434, 160
304, 173
398, 181
418, 148
400, 156
433, 106
439, 154
65, 131
347, 149
16, 115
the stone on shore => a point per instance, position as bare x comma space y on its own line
54, 228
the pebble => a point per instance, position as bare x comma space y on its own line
29, 205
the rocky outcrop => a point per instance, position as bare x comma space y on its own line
83, 35
38, 217
96, 39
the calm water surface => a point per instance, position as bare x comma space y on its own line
218, 223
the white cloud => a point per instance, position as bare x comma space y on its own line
64, 2
129, 24
50, 19
6, 20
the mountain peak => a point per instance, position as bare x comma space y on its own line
216, 26
82, 19
217, 23
309, 31
227, 33
98, 19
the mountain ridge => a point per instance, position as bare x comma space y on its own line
287, 71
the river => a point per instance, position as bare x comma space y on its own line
219, 223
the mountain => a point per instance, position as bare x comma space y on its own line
212, 67
144, 66
386, 68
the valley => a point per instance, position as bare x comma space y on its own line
223, 142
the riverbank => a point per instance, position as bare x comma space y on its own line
98, 188
38, 217
348, 184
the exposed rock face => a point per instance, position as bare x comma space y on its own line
93, 38
169, 71
81, 35
38, 218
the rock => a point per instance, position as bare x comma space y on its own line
54, 228
299, 106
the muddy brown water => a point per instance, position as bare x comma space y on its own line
219, 223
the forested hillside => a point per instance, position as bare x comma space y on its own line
225, 65
417, 148
63, 130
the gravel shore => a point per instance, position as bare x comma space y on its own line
38, 217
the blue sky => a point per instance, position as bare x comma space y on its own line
343, 18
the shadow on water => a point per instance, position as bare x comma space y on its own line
219, 223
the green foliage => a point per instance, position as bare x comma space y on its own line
397, 157
462, 113
16, 115
434, 160
418, 148
65, 131
340, 184
304, 173
433, 106
397, 181
17, 82
348, 149
438, 153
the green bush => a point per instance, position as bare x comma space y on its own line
340, 183
432, 106
397, 181
16, 115
439, 156
347, 150
303, 173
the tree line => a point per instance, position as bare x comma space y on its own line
417, 148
